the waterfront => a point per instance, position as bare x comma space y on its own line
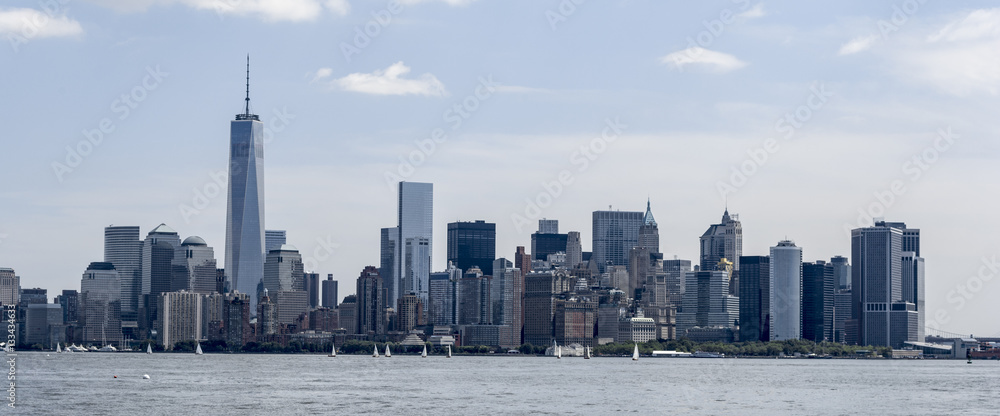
51, 383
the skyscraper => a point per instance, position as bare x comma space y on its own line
370, 306
10, 287
707, 302
283, 279
817, 301
649, 233
841, 272
547, 240
786, 291
547, 226
414, 252
158, 250
274, 239
614, 234
913, 285
100, 304
507, 302
472, 244
755, 298
194, 267
123, 248
876, 281
330, 296
574, 249
245, 210
179, 318
722, 240
387, 261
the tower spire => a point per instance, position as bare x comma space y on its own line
246, 110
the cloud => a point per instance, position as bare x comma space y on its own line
715, 61
959, 59
756, 11
857, 44
267, 10
320, 74
389, 81
31, 23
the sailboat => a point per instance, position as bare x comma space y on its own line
558, 352
449, 351
333, 351
388, 354
58, 348
149, 348
198, 351
635, 353
424, 354
586, 353
375, 354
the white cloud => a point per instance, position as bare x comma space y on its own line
389, 81
756, 11
716, 61
960, 58
31, 23
267, 10
857, 44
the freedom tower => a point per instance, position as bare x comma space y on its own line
245, 213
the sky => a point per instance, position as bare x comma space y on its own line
805, 118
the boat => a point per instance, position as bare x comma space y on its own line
333, 351
424, 354
108, 348
702, 354
58, 348
635, 353
388, 354
449, 352
93, 348
375, 354
149, 348
586, 353
671, 354
198, 351
558, 352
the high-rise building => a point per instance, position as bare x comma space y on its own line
818, 285
507, 302
267, 319
574, 249
236, 319
786, 291
542, 290
409, 312
474, 298
674, 270
123, 248
274, 239
370, 307
347, 314
311, 285
283, 279
545, 244
649, 234
10, 287
179, 317
330, 296
841, 272
574, 320
158, 250
472, 244
707, 302
194, 267
755, 298
913, 283
883, 315
842, 312
387, 265
100, 304
614, 234
414, 252
722, 241
43, 321
70, 302
245, 248
547, 226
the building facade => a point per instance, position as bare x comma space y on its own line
786, 291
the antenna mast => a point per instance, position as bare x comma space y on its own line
247, 109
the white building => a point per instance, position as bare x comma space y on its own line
786, 291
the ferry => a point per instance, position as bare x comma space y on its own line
702, 354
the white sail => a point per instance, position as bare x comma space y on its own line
449, 351
586, 353
558, 352
375, 354
424, 354
635, 353
198, 351
58, 348
387, 352
333, 350
149, 348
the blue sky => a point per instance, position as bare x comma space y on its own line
840, 97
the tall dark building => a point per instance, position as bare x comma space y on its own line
123, 248
389, 238
614, 235
755, 298
330, 296
543, 244
70, 302
817, 301
311, 280
881, 315
370, 304
472, 244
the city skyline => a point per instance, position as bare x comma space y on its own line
328, 158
